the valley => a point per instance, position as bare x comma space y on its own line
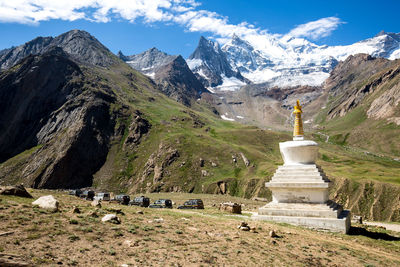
114, 128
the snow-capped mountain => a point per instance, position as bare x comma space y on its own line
285, 61
147, 61
212, 68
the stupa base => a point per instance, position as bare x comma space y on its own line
340, 224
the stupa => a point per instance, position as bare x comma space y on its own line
300, 188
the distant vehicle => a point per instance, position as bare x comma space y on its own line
141, 201
192, 204
87, 194
162, 203
123, 199
75, 192
102, 196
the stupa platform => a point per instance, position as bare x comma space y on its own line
340, 224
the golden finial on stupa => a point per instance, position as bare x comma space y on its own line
298, 123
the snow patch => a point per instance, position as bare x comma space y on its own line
230, 84
226, 118
151, 74
240, 117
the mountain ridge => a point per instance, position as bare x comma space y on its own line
170, 72
291, 61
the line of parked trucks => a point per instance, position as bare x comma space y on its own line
140, 201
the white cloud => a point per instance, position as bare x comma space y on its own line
181, 12
34, 11
316, 29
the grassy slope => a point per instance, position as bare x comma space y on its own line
188, 238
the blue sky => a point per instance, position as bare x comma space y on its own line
174, 26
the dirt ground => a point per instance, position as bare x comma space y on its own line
175, 237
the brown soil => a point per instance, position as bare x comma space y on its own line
181, 238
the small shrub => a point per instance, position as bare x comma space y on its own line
118, 234
148, 228
73, 221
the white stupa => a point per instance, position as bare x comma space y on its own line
300, 188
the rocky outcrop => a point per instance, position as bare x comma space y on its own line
385, 105
157, 163
138, 127
18, 190
372, 200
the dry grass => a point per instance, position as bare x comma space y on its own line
182, 238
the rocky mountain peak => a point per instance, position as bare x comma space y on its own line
80, 45
210, 64
177, 81
85, 48
147, 61
382, 32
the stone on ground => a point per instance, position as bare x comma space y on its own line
47, 202
112, 218
18, 190
96, 203
231, 207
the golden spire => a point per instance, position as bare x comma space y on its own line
298, 123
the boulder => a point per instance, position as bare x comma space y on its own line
357, 219
18, 190
96, 203
273, 234
47, 202
93, 214
245, 160
231, 207
112, 218
159, 220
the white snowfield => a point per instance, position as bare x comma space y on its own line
226, 118
289, 61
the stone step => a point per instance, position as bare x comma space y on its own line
316, 175
328, 213
298, 180
315, 170
299, 166
291, 184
